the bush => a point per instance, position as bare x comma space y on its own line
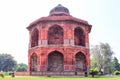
12, 74
9, 73
2, 74
116, 72
93, 71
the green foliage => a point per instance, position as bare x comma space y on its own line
94, 71
21, 67
2, 74
10, 73
116, 72
7, 62
116, 64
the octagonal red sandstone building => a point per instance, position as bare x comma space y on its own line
58, 44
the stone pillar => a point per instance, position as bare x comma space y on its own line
43, 62
69, 61
28, 62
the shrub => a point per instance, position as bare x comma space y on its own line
12, 74
9, 73
116, 72
93, 71
2, 74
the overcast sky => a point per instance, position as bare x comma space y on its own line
16, 15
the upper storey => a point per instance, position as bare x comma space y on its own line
59, 13
59, 28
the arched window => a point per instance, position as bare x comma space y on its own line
33, 62
80, 60
34, 38
55, 35
55, 61
79, 37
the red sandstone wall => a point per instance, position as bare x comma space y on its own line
67, 49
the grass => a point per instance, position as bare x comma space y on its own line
57, 78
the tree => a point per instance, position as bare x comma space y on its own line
102, 57
21, 67
116, 64
7, 62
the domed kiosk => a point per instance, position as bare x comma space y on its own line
58, 44
59, 10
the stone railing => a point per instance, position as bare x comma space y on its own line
22, 73
66, 73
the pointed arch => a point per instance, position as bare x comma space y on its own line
34, 38
55, 35
80, 61
33, 62
79, 37
55, 61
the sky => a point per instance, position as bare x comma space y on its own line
16, 15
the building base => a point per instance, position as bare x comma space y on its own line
65, 73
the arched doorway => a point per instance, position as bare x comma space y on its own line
34, 38
33, 62
80, 61
79, 37
55, 35
55, 61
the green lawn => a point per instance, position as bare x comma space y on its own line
58, 78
